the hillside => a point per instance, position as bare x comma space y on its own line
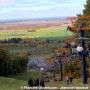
18, 81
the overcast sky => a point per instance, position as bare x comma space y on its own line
17, 9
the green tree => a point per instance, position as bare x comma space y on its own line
12, 63
3, 59
86, 12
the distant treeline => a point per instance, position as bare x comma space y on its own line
12, 40
28, 40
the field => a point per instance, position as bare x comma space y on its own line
44, 29
51, 32
37, 29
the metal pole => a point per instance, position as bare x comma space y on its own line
3, 68
83, 58
54, 73
7, 68
54, 70
61, 73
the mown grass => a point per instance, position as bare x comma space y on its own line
75, 83
17, 81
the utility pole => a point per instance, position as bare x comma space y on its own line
84, 74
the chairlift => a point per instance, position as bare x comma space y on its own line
83, 38
80, 23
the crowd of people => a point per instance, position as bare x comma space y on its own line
36, 82
41, 82
77, 49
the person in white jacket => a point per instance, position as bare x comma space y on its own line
79, 49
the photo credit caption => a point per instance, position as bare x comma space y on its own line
55, 88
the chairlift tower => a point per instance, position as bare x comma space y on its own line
81, 21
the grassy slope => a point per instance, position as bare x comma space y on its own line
15, 82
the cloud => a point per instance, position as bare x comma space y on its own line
39, 8
5, 3
61, 1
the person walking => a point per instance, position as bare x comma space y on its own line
34, 82
30, 82
67, 80
37, 82
70, 79
42, 82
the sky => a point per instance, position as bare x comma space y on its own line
20, 9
